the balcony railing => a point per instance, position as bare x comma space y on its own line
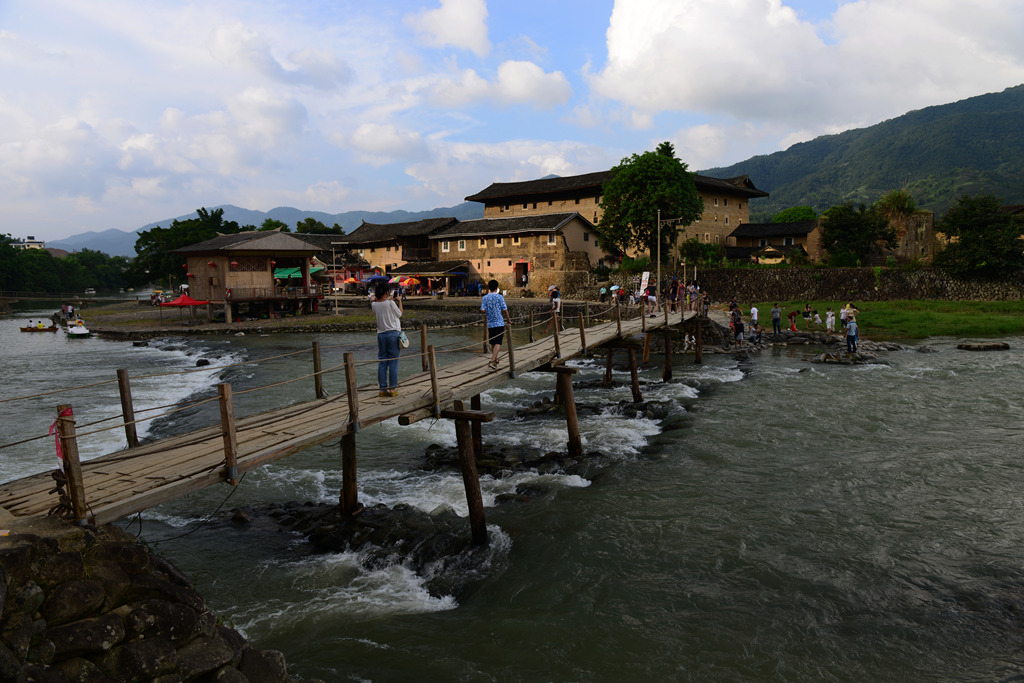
265, 293
416, 254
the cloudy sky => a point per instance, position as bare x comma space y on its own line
116, 113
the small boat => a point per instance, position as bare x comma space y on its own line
36, 328
78, 330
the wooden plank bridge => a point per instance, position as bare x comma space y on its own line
134, 479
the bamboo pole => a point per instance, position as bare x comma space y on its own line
228, 433
423, 345
318, 379
352, 390
72, 464
583, 334
127, 408
434, 388
476, 404
511, 353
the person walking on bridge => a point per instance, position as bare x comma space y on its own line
388, 310
494, 307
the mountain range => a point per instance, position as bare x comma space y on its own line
938, 154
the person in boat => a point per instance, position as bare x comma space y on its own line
41, 325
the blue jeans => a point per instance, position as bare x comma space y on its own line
387, 354
777, 326
851, 343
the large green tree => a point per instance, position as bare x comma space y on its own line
795, 214
851, 233
641, 185
985, 241
274, 224
155, 247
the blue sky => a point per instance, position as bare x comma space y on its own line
115, 113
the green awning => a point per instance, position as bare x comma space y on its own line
287, 273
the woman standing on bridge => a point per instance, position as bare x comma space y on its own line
389, 326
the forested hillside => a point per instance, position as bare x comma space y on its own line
938, 154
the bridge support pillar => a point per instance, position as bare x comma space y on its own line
634, 377
564, 375
478, 438
608, 367
349, 491
467, 460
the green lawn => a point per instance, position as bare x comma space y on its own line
916, 319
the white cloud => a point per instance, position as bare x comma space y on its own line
756, 60
459, 23
517, 82
234, 44
383, 143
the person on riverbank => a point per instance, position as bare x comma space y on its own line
792, 320
851, 334
389, 327
494, 307
737, 325
817, 320
830, 321
776, 320
753, 316
556, 308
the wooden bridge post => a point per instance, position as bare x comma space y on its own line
608, 367
227, 424
586, 307
647, 348
478, 437
531, 328
318, 379
511, 352
127, 409
583, 335
666, 313
558, 346
564, 379
349, 490
643, 318
618, 320
470, 478
436, 409
423, 345
699, 348
634, 378
72, 465
352, 389
666, 373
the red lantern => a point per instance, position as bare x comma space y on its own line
211, 264
312, 260
234, 264
184, 265
273, 262
189, 275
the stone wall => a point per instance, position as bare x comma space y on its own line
842, 284
92, 604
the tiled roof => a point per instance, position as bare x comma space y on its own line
371, 233
430, 268
254, 240
544, 222
774, 229
594, 181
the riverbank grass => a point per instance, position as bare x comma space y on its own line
915, 319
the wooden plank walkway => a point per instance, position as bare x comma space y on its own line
131, 480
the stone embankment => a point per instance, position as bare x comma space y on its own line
92, 604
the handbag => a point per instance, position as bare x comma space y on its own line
403, 340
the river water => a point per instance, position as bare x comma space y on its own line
788, 521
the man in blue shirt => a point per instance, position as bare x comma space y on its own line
851, 335
493, 305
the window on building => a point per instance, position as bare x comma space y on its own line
577, 200
586, 237
725, 201
510, 263
535, 205
373, 250
499, 241
727, 220
788, 241
524, 205
716, 239
506, 207
552, 263
550, 202
716, 201
462, 245
595, 218
515, 240
551, 238
488, 264
483, 242
741, 205
707, 238
446, 245
762, 243
716, 217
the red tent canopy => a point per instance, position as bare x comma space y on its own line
185, 300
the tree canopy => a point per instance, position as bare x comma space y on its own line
795, 214
155, 247
36, 270
274, 224
641, 185
985, 241
850, 233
